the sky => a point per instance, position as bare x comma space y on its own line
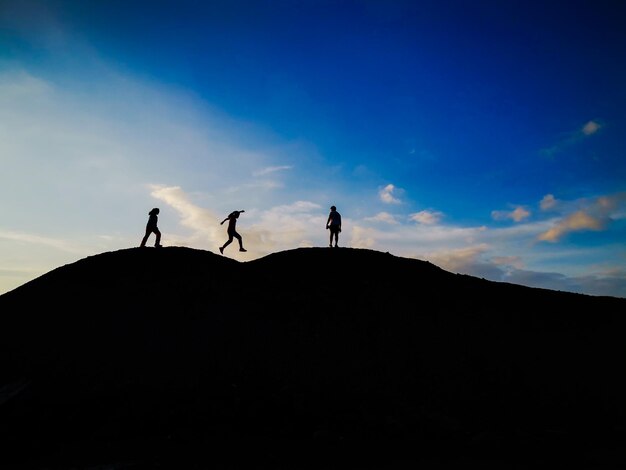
486, 137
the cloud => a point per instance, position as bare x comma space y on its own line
271, 169
34, 239
600, 283
518, 214
548, 202
426, 217
613, 205
264, 231
203, 223
17, 84
573, 223
385, 217
386, 194
363, 237
515, 261
455, 260
570, 138
278, 228
591, 128
299, 224
595, 215
469, 260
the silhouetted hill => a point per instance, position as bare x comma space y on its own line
306, 358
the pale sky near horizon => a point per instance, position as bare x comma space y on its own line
486, 137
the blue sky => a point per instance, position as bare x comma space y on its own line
486, 137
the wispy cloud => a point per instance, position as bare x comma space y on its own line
202, 223
588, 129
271, 169
34, 239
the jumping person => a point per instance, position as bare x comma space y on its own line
334, 225
151, 227
232, 231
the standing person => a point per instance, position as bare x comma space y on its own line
232, 231
334, 225
151, 227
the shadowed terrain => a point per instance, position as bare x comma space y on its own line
306, 358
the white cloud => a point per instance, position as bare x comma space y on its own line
385, 217
426, 217
263, 230
363, 237
203, 223
386, 194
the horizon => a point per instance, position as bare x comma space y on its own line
484, 138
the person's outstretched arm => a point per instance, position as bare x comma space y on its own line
223, 220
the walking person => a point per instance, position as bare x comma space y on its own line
232, 230
151, 227
334, 225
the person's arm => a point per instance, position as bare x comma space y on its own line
222, 222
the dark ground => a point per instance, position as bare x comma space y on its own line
308, 358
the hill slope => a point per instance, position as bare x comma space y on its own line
148, 357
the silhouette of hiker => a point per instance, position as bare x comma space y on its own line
232, 232
151, 227
334, 224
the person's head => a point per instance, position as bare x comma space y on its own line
333, 208
154, 211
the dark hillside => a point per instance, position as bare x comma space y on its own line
307, 358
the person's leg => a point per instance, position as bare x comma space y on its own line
158, 237
334, 234
238, 237
145, 239
229, 241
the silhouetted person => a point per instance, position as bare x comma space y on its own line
334, 225
151, 227
232, 232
